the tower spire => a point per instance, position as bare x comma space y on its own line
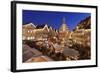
64, 21
64, 26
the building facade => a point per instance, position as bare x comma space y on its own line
32, 32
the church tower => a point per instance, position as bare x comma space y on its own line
64, 32
64, 26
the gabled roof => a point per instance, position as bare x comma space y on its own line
29, 52
42, 26
30, 25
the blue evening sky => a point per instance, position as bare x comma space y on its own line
53, 19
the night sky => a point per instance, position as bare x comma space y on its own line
53, 19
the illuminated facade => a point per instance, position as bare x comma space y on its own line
82, 33
28, 31
32, 32
82, 36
